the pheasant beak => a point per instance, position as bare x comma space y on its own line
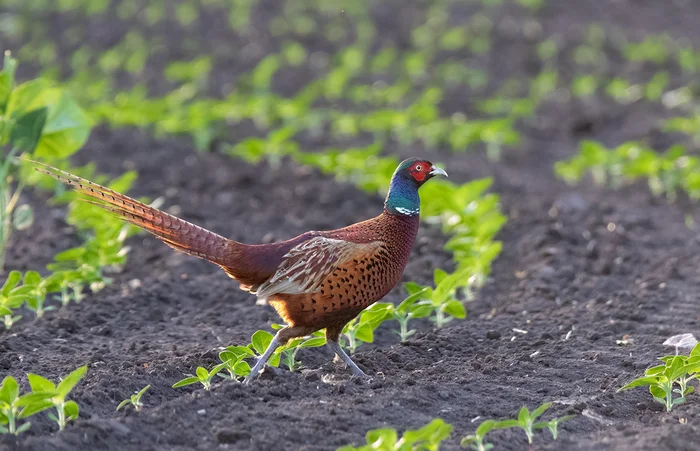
434, 170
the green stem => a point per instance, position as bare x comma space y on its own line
11, 423
669, 396
7, 203
61, 416
439, 318
404, 329
352, 343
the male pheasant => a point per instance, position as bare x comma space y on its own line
314, 281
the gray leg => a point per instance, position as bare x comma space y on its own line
263, 360
346, 358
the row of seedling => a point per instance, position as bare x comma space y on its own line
431, 436
15, 408
43, 122
184, 111
666, 173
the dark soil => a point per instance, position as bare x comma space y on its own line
580, 269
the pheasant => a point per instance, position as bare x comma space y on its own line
316, 280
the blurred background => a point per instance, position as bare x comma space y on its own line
442, 75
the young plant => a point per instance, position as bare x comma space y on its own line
202, 375
661, 379
39, 290
553, 425
55, 396
288, 353
527, 421
233, 359
411, 308
12, 296
361, 329
476, 440
442, 298
427, 438
11, 403
134, 400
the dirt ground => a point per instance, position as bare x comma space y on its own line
581, 268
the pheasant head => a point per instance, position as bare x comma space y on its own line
411, 174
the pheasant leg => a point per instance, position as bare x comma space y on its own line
346, 358
262, 360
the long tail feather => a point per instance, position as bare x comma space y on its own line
175, 232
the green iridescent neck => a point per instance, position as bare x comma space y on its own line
403, 197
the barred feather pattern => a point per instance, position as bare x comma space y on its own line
175, 232
307, 265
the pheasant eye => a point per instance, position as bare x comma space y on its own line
419, 168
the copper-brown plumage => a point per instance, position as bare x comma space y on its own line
316, 280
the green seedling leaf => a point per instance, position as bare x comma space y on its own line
11, 282
22, 217
202, 373
476, 441
67, 384
315, 342
405, 305
67, 128
71, 410
261, 340
421, 310
9, 391
35, 407
540, 410
40, 384
186, 381
456, 309
27, 130
641, 382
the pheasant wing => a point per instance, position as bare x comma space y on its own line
307, 265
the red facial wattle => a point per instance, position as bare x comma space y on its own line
420, 170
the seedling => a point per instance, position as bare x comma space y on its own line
445, 305
476, 440
12, 297
232, 358
40, 288
361, 329
11, 403
411, 308
289, 351
661, 379
527, 421
427, 438
202, 375
55, 397
134, 400
553, 425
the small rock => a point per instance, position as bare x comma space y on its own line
493, 335
229, 436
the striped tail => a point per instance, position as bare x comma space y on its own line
175, 232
